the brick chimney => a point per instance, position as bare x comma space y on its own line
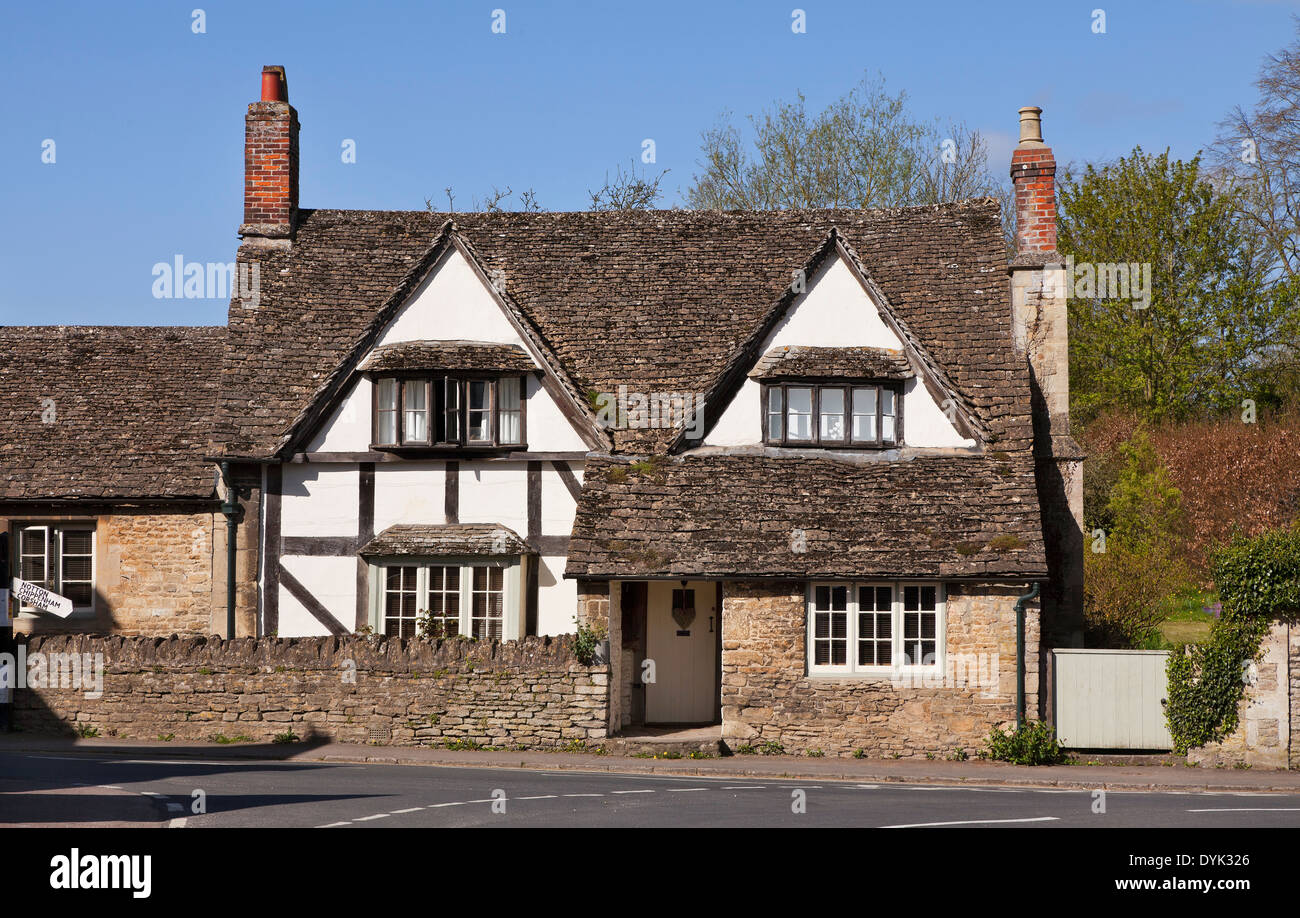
1033, 174
270, 165
1040, 334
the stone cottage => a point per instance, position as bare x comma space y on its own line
808, 472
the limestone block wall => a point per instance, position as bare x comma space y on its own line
529, 694
1267, 717
767, 695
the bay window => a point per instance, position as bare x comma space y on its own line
875, 628
445, 411
478, 599
857, 415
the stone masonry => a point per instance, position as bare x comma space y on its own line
531, 693
767, 695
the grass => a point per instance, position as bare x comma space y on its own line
1186, 621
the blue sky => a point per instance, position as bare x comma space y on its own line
147, 115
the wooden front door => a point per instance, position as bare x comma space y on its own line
682, 640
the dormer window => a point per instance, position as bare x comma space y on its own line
449, 411
861, 415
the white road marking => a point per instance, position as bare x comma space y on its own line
149, 793
413, 809
685, 790
109, 786
632, 792
584, 795
539, 797
332, 825
434, 806
177, 823
368, 818
1251, 809
972, 822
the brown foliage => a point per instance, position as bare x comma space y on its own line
1233, 476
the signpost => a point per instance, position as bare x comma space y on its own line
29, 594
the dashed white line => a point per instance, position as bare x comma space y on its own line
412, 809
632, 792
685, 790
332, 825
584, 795
973, 822
368, 818
1251, 809
539, 797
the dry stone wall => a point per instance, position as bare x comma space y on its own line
531, 693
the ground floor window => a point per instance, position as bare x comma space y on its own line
478, 599
59, 557
875, 627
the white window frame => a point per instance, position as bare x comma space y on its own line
897, 667
512, 623
54, 561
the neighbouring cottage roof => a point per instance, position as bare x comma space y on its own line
657, 301
449, 539
819, 362
808, 515
95, 413
449, 355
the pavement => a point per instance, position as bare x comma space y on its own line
1170, 775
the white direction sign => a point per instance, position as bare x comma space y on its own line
29, 594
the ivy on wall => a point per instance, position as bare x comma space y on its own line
1259, 582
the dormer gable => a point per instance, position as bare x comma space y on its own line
836, 369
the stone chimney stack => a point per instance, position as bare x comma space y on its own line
270, 165
1040, 334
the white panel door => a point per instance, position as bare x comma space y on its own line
684, 649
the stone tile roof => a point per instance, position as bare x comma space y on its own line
449, 355
747, 513
654, 300
847, 362
449, 539
132, 411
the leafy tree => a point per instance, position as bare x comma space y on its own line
1197, 341
862, 150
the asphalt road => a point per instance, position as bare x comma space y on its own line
92, 790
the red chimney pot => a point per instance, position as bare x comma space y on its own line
274, 88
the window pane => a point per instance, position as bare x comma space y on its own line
32, 550
400, 601
511, 413
416, 404
799, 413
775, 414
831, 408
386, 428
887, 415
487, 603
480, 418
864, 415
444, 601
451, 411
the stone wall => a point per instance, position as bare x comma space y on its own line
530, 693
767, 695
1266, 714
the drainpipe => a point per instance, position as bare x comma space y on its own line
230, 507
1020, 652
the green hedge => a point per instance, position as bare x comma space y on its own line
1259, 582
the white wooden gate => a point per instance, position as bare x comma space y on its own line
1110, 699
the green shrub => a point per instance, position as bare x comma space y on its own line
1033, 743
1258, 581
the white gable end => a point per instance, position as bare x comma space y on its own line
835, 310
450, 304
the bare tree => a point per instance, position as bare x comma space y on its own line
627, 190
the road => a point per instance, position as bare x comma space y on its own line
103, 790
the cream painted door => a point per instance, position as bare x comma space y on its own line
685, 652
